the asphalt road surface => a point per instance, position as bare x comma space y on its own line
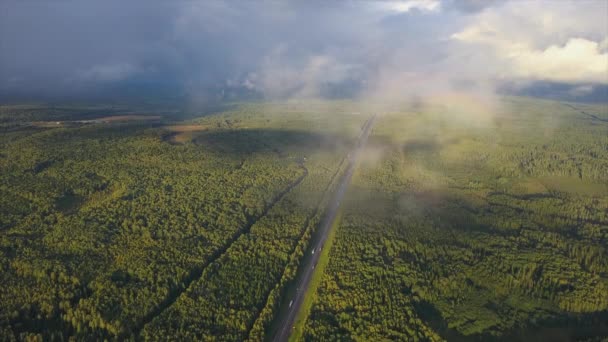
287, 322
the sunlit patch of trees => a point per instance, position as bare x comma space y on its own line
108, 231
477, 232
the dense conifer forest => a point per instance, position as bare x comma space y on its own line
461, 221
486, 226
119, 226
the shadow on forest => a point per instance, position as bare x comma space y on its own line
252, 141
452, 213
69, 202
463, 215
422, 146
426, 146
560, 327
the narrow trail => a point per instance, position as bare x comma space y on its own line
595, 117
196, 273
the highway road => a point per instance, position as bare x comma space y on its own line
286, 325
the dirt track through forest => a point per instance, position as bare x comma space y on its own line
197, 272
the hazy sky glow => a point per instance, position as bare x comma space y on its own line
297, 49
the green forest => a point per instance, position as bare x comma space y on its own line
461, 222
473, 227
111, 229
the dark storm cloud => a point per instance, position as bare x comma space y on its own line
471, 6
272, 48
60, 45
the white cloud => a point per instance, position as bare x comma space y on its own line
408, 5
580, 60
278, 77
108, 72
528, 42
581, 90
604, 45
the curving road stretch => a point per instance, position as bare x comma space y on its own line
286, 325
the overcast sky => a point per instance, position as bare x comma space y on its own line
281, 48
